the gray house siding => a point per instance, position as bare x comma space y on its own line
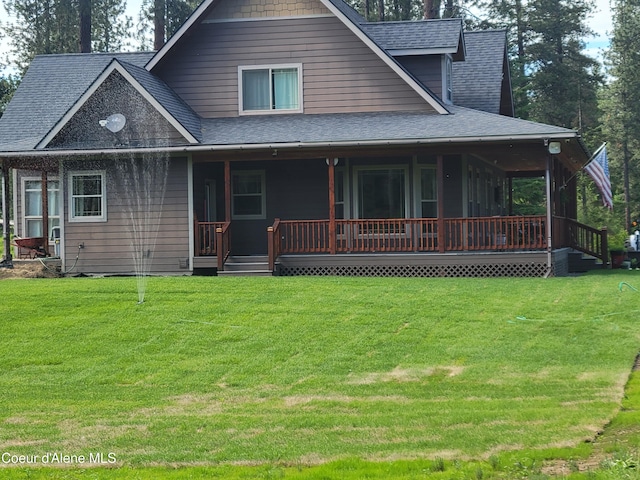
107, 245
427, 69
340, 73
295, 190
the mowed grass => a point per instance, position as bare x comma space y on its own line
279, 372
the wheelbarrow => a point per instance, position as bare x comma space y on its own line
34, 246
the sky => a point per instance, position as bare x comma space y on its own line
600, 23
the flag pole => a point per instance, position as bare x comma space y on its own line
591, 159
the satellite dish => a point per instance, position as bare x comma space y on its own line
114, 123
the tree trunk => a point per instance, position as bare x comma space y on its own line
431, 9
159, 9
85, 26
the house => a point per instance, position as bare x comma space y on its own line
295, 135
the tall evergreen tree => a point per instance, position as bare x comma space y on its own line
53, 26
110, 26
564, 81
621, 107
8, 85
175, 14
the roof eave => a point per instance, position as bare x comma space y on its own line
298, 145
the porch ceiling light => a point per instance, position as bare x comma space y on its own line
555, 148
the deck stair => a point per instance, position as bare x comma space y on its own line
581, 262
246, 266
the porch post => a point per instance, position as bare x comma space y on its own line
227, 191
548, 179
45, 213
7, 261
331, 163
440, 179
510, 186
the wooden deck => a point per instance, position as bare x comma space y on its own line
479, 246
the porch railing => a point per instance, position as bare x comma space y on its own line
223, 244
592, 241
213, 239
205, 237
273, 245
409, 235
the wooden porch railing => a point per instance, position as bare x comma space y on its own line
584, 238
223, 244
205, 237
273, 243
408, 235
495, 233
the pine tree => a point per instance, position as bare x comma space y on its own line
564, 81
621, 107
53, 26
151, 13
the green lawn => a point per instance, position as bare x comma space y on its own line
265, 377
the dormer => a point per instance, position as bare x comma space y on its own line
426, 48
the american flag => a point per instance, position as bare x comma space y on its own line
598, 170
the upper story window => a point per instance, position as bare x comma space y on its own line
270, 89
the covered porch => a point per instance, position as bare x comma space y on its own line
435, 204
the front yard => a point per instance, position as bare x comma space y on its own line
242, 377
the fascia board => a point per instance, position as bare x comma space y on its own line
179, 149
421, 51
113, 66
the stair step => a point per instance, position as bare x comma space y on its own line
246, 265
579, 262
245, 273
248, 259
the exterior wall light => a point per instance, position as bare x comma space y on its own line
555, 148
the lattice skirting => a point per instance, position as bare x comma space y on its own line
536, 269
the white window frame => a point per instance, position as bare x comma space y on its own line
270, 111
23, 196
447, 79
418, 189
263, 194
407, 191
73, 218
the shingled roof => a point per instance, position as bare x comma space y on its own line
481, 81
422, 37
57, 81
60, 81
462, 125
